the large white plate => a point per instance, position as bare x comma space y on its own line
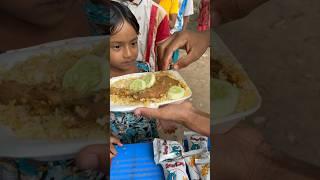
130, 108
10, 145
224, 124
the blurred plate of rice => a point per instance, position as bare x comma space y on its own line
233, 94
53, 98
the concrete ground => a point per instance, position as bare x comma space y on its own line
197, 76
278, 44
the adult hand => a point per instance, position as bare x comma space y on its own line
195, 44
184, 114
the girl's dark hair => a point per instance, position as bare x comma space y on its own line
119, 13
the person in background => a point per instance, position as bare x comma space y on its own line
172, 9
185, 11
204, 16
154, 30
183, 18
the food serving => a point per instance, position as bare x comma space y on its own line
148, 88
58, 95
232, 91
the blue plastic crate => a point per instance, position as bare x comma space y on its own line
135, 162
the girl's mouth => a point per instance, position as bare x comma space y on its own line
129, 63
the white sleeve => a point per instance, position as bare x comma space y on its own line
189, 8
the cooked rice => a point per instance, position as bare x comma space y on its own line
225, 69
48, 68
121, 95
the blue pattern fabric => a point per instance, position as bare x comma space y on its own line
130, 128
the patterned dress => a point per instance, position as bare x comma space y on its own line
130, 128
204, 16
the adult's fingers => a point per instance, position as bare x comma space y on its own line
175, 42
149, 112
186, 60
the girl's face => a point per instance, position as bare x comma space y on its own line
124, 48
39, 12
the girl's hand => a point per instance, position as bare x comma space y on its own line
113, 152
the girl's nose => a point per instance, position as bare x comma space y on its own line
127, 52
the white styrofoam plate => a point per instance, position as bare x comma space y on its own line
130, 108
10, 145
224, 124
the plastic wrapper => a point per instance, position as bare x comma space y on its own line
165, 150
192, 168
203, 165
175, 170
196, 143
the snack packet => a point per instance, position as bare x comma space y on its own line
165, 150
175, 170
196, 143
203, 166
193, 171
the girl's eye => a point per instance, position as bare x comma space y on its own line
116, 47
134, 43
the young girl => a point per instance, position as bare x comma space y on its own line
123, 31
154, 30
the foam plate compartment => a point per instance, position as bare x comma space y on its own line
45, 150
224, 124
